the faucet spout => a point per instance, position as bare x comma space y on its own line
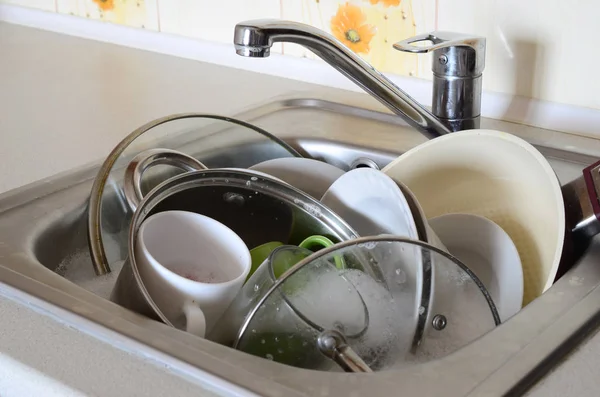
255, 38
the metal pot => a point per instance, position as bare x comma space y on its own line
258, 208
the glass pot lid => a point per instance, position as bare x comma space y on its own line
214, 140
375, 303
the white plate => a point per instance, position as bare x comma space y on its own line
489, 252
371, 203
313, 177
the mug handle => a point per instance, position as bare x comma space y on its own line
195, 320
325, 243
148, 158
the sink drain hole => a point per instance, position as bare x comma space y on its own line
364, 162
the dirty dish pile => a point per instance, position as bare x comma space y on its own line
355, 285
297, 261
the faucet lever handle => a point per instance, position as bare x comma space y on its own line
454, 54
440, 40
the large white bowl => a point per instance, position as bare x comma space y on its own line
501, 177
488, 251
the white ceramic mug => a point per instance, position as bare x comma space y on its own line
192, 266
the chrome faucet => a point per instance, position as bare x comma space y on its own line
458, 63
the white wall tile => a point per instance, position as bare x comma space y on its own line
212, 20
540, 49
536, 48
47, 5
135, 13
393, 24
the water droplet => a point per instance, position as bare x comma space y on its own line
280, 351
263, 341
256, 287
248, 183
234, 198
421, 310
253, 331
277, 308
226, 180
276, 339
269, 356
400, 276
304, 343
368, 245
254, 178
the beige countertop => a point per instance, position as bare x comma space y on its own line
66, 102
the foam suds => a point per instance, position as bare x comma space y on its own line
78, 269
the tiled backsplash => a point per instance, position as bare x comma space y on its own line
538, 49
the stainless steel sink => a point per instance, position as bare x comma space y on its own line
44, 253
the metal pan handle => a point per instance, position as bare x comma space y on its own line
333, 344
149, 158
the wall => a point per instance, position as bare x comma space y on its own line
536, 48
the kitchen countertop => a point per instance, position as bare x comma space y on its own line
67, 102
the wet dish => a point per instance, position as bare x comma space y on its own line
487, 250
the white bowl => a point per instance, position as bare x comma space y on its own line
311, 176
488, 251
498, 176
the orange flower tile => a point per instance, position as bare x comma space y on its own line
350, 27
105, 5
387, 3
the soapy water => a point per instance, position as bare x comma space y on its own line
369, 245
391, 328
78, 269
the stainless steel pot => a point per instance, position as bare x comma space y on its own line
258, 208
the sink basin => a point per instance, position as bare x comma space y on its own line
44, 253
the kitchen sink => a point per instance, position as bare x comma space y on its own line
44, 253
